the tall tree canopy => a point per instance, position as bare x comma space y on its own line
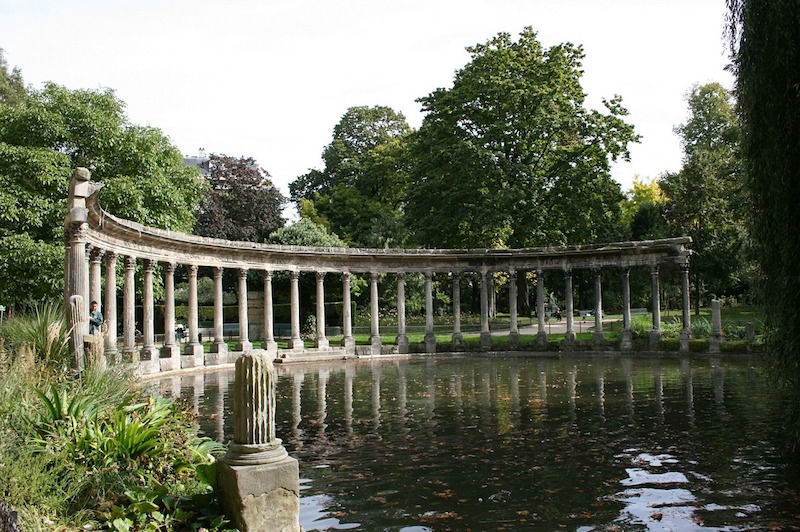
12, 88
706, 199
241, 203
765, 38
43, 138
360, 192
509, 155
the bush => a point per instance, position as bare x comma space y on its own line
94, 452
44, 333
701, 328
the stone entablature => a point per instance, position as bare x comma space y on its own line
93, 235
125, 237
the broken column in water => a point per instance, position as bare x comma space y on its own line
258, 479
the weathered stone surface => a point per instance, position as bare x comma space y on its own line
262, 498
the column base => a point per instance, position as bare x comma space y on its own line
112, 355
458, 342
513, 338
170, 358
244, 345
541, 339
376, 344
626, 341
713, 343
430, 342
192, 356
402, 344
149, 360
322, 343
130, 356
261, 497
684, 341
219, 348
486, 341
349, 344
655, 340
270, 346
296, 344
598, 339
148, 366
569, 339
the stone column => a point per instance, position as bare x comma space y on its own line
626, 342
541, 334
402, 337
686, 331
129, 312
430, 337
321, 341
95, 278
513, 335
295, 342
655, 334
458, 339
171, 352
598, 339
715, 339
219, 346
486, 336
244, 343
348, 342
75, 277
110, 311
569, 336
374, 327
268, 343
149, 358
258, 480
86, 275
193, 353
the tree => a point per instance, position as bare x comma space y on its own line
42, 139
361, 191
765, 41
12, 89
241, 202
706, 199
509, 155
642, 210
306, 233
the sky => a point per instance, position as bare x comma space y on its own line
270, 80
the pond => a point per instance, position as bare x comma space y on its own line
502, 443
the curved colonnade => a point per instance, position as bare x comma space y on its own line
93, 235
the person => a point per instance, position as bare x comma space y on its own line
95, 318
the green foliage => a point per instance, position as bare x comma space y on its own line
765, 39
43, 332
92, 451
706, 199
360, 193
306, 233
12, 88
43, 137
510, 157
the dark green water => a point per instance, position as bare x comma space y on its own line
577, 443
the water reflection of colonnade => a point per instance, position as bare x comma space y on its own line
375, 399
97, 241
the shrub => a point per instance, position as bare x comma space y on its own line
701, 328
44, 332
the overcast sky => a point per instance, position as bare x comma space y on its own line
270, 79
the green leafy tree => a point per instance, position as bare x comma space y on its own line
509, 155
241, 203
765, 39
12, 88
304, 232
642, 210
706, 199
42, 139
361, 191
